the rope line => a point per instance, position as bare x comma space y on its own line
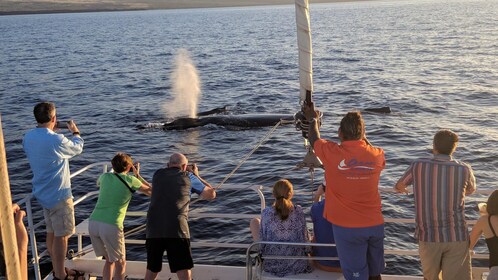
264, 139
140, 228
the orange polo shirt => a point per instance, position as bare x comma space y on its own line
352, 172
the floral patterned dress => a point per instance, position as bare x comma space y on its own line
293, 229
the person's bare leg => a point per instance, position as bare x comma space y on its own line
255, 227
119, 274
22, 243
59, 249
50, 242
149, 275
185, 274
108, 270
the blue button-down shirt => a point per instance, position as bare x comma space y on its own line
196, 185
48, 155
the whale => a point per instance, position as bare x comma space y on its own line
219, 116
246, 120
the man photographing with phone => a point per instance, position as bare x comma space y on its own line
48, 154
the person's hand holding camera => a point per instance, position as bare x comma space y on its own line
136, 168
71, 125
193, 168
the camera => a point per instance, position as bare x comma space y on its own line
61, 124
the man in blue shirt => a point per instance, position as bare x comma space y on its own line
48, 154
322, 233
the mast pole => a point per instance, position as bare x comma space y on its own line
7, 218
305, 52
305, 57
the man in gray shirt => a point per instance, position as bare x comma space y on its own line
167, 217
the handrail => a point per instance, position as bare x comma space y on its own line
252, 246
103, 163
27, 200
410, 190
87, 195
202, 215
32, 227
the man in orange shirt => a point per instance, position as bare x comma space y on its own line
352, 203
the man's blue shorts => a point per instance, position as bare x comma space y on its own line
360, 250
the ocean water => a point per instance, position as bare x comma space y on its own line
435, 63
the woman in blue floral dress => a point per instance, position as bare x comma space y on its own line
282, 222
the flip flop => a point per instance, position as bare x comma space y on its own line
55, 278
76, 274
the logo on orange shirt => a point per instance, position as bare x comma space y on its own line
355, 164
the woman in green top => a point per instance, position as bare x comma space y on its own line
106, 220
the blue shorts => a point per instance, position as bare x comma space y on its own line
360, 250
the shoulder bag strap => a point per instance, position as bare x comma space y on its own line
124, 182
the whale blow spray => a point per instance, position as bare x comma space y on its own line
185, 88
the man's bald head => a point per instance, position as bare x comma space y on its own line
178, 160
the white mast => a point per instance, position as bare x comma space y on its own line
305, 80
305, 50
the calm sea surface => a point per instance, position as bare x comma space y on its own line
435, 63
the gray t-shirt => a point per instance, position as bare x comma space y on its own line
169, 204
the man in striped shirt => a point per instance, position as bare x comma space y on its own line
440, 185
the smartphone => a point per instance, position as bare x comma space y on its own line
61, 124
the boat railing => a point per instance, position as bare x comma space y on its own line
254, 249
195, 213
26, 203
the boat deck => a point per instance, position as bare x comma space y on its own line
136, 270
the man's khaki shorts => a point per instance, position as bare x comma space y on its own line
450, 258
60, 219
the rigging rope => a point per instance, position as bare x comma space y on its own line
243, 160
258, 145
141, 227
249, 154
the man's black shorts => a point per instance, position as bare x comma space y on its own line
177, 249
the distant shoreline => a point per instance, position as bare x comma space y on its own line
15, 7
41, 12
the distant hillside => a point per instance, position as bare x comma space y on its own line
59, 6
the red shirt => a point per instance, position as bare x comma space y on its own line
352, 172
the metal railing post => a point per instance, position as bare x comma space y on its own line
258, 189
32, 239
